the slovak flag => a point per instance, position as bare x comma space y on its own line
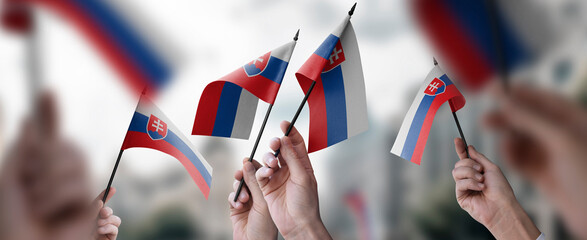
227, 107
121, 36
461, 32
150, 128
338, 104
413, 134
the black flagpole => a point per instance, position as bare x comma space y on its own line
252, 156
117, 163
497, 41
456, 118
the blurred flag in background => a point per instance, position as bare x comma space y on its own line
462, 33
131, 50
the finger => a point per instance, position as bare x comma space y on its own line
263, 175
466, 173
252, 183
110, 194
108, 230
480, 158
106, 212
296, 137
234, 205
255, 163
460, 148
270, 160
48, 114
238, 174
274, 144
296, 158
469, 185
98, 204
467, 162
522, 118
114, 220
243, 195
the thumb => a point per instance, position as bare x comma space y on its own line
97, 204
251, 181
297, 161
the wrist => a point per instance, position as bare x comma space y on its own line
313, 229
512, 222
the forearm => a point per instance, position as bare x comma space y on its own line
512, 222
311, 230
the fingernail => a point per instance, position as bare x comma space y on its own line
481, 185
266, 171
478, 176
237, 205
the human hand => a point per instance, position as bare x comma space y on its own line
108, 223
249, 214
544, 137
290, 188
483, 191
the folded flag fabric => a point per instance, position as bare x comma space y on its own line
462, 32
125, 45
436, 90
150, 128
227, 107
338, 103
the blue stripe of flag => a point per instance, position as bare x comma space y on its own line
416, 127
227, 107
335, 100
326, 47
474, 17
139, 124
127, 39
275, 69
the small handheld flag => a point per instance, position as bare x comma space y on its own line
436, 90
150, 128
338, 106
227, 106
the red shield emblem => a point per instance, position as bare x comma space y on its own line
336, 57
257, 66
156, 128
436, 87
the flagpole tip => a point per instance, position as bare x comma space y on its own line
435, 62
352, 9
297, 35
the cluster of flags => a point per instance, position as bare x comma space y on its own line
332, 78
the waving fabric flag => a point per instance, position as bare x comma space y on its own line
462, 33
338, 105
413, 134
150, 128
133, 54
227, 107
